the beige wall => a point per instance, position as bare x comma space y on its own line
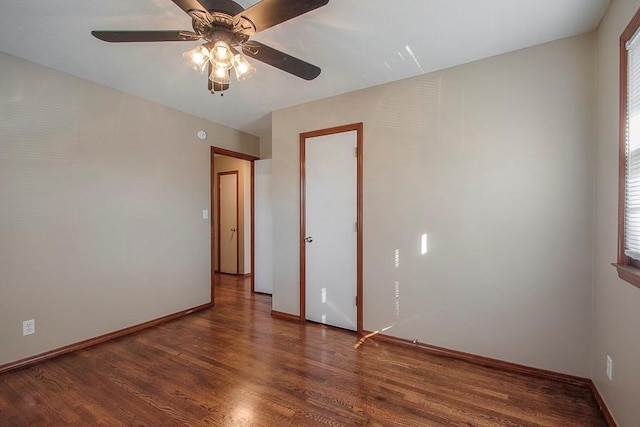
101, 199
493, 160
226, 164
265, 146
617, 303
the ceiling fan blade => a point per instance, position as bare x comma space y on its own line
280, 60
195, 10
145, 36
268, 13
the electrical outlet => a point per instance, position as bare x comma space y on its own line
609, 367
28, 327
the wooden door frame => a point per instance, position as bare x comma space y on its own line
237, 231
358, 127
251, 159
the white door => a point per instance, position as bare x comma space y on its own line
330, 229
228, 216
264, 225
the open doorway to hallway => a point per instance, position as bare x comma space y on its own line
232, 207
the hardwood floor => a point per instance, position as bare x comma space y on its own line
235, 365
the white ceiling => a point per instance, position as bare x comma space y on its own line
357, 43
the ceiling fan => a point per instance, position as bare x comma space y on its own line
226, 27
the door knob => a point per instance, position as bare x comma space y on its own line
308, 239
233, 229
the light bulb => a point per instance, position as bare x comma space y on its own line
221, 51
220, 72
243, 68
219, 75
197, 58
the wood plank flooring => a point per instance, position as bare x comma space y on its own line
234, 365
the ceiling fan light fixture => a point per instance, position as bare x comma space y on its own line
243, 68
219, 75
221, 51
225, 25
220, 56
197, 58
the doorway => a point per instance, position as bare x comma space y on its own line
232, 219
331, 226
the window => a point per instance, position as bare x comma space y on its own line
629, 187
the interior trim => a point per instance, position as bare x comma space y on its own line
628, 268
285, 316
253, 227
32, 360
482, 360
242, 156
229, 153
358, 127
604, 409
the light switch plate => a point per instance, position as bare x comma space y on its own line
205, 213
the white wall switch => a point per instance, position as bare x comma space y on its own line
205, 213
609, 367
28, 327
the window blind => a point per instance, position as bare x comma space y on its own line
632, 151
